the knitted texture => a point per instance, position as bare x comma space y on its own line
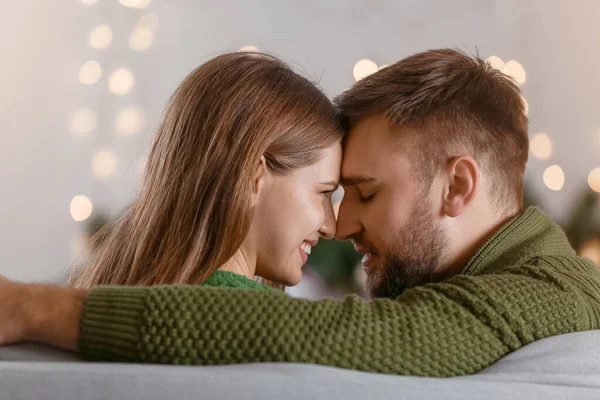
524, 284
233, 280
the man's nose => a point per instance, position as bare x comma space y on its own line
348, 223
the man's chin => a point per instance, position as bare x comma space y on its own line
394, 275
378, 285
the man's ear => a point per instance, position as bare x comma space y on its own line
461, 186
261, 176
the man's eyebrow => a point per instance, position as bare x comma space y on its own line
355, 180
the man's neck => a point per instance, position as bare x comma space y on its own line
240, 264
480, 235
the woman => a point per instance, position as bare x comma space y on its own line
238, 182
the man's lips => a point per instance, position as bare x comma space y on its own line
363, 249
369, 256
368, 260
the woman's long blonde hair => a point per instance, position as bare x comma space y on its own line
193, 210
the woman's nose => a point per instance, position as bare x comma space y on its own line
327, 230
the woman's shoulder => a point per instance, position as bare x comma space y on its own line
231, 279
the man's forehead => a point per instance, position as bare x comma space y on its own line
364, 138
370, 145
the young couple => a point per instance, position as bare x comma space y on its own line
238, 184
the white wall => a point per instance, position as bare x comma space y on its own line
44, 43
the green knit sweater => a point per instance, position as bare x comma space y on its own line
524, 284
232, 280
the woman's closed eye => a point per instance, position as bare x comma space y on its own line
327, 193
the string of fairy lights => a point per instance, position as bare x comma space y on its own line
131, 120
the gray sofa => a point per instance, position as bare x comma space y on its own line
562, 367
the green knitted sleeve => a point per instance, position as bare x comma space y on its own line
452, 328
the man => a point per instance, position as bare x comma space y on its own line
432, 172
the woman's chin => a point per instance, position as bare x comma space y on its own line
292, 279
293, 282
290, 276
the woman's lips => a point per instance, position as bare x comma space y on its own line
303, 255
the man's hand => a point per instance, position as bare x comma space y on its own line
41, 313
12, 323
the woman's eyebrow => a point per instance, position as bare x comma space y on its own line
333, 184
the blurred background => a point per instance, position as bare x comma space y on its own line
83, 83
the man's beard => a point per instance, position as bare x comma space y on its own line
414, 256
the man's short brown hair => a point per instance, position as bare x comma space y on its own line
455, 104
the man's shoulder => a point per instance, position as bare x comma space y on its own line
568, 266
569, 274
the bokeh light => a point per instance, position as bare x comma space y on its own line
249, 48
554, 178
149, 21
104, 163
515, 70
90, 72
130, 121
143, 3
82, 122
540, 146
594, 180
121, 81
141, 39
364, 68
130, 3
101, 37
81, 208
496, 63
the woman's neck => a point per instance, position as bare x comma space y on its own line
240, 264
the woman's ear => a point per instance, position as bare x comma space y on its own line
261, 178
462, 175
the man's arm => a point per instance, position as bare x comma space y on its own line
453, 328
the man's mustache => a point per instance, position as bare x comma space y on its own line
362, 245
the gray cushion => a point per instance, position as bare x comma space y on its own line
556, 368
35, 352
